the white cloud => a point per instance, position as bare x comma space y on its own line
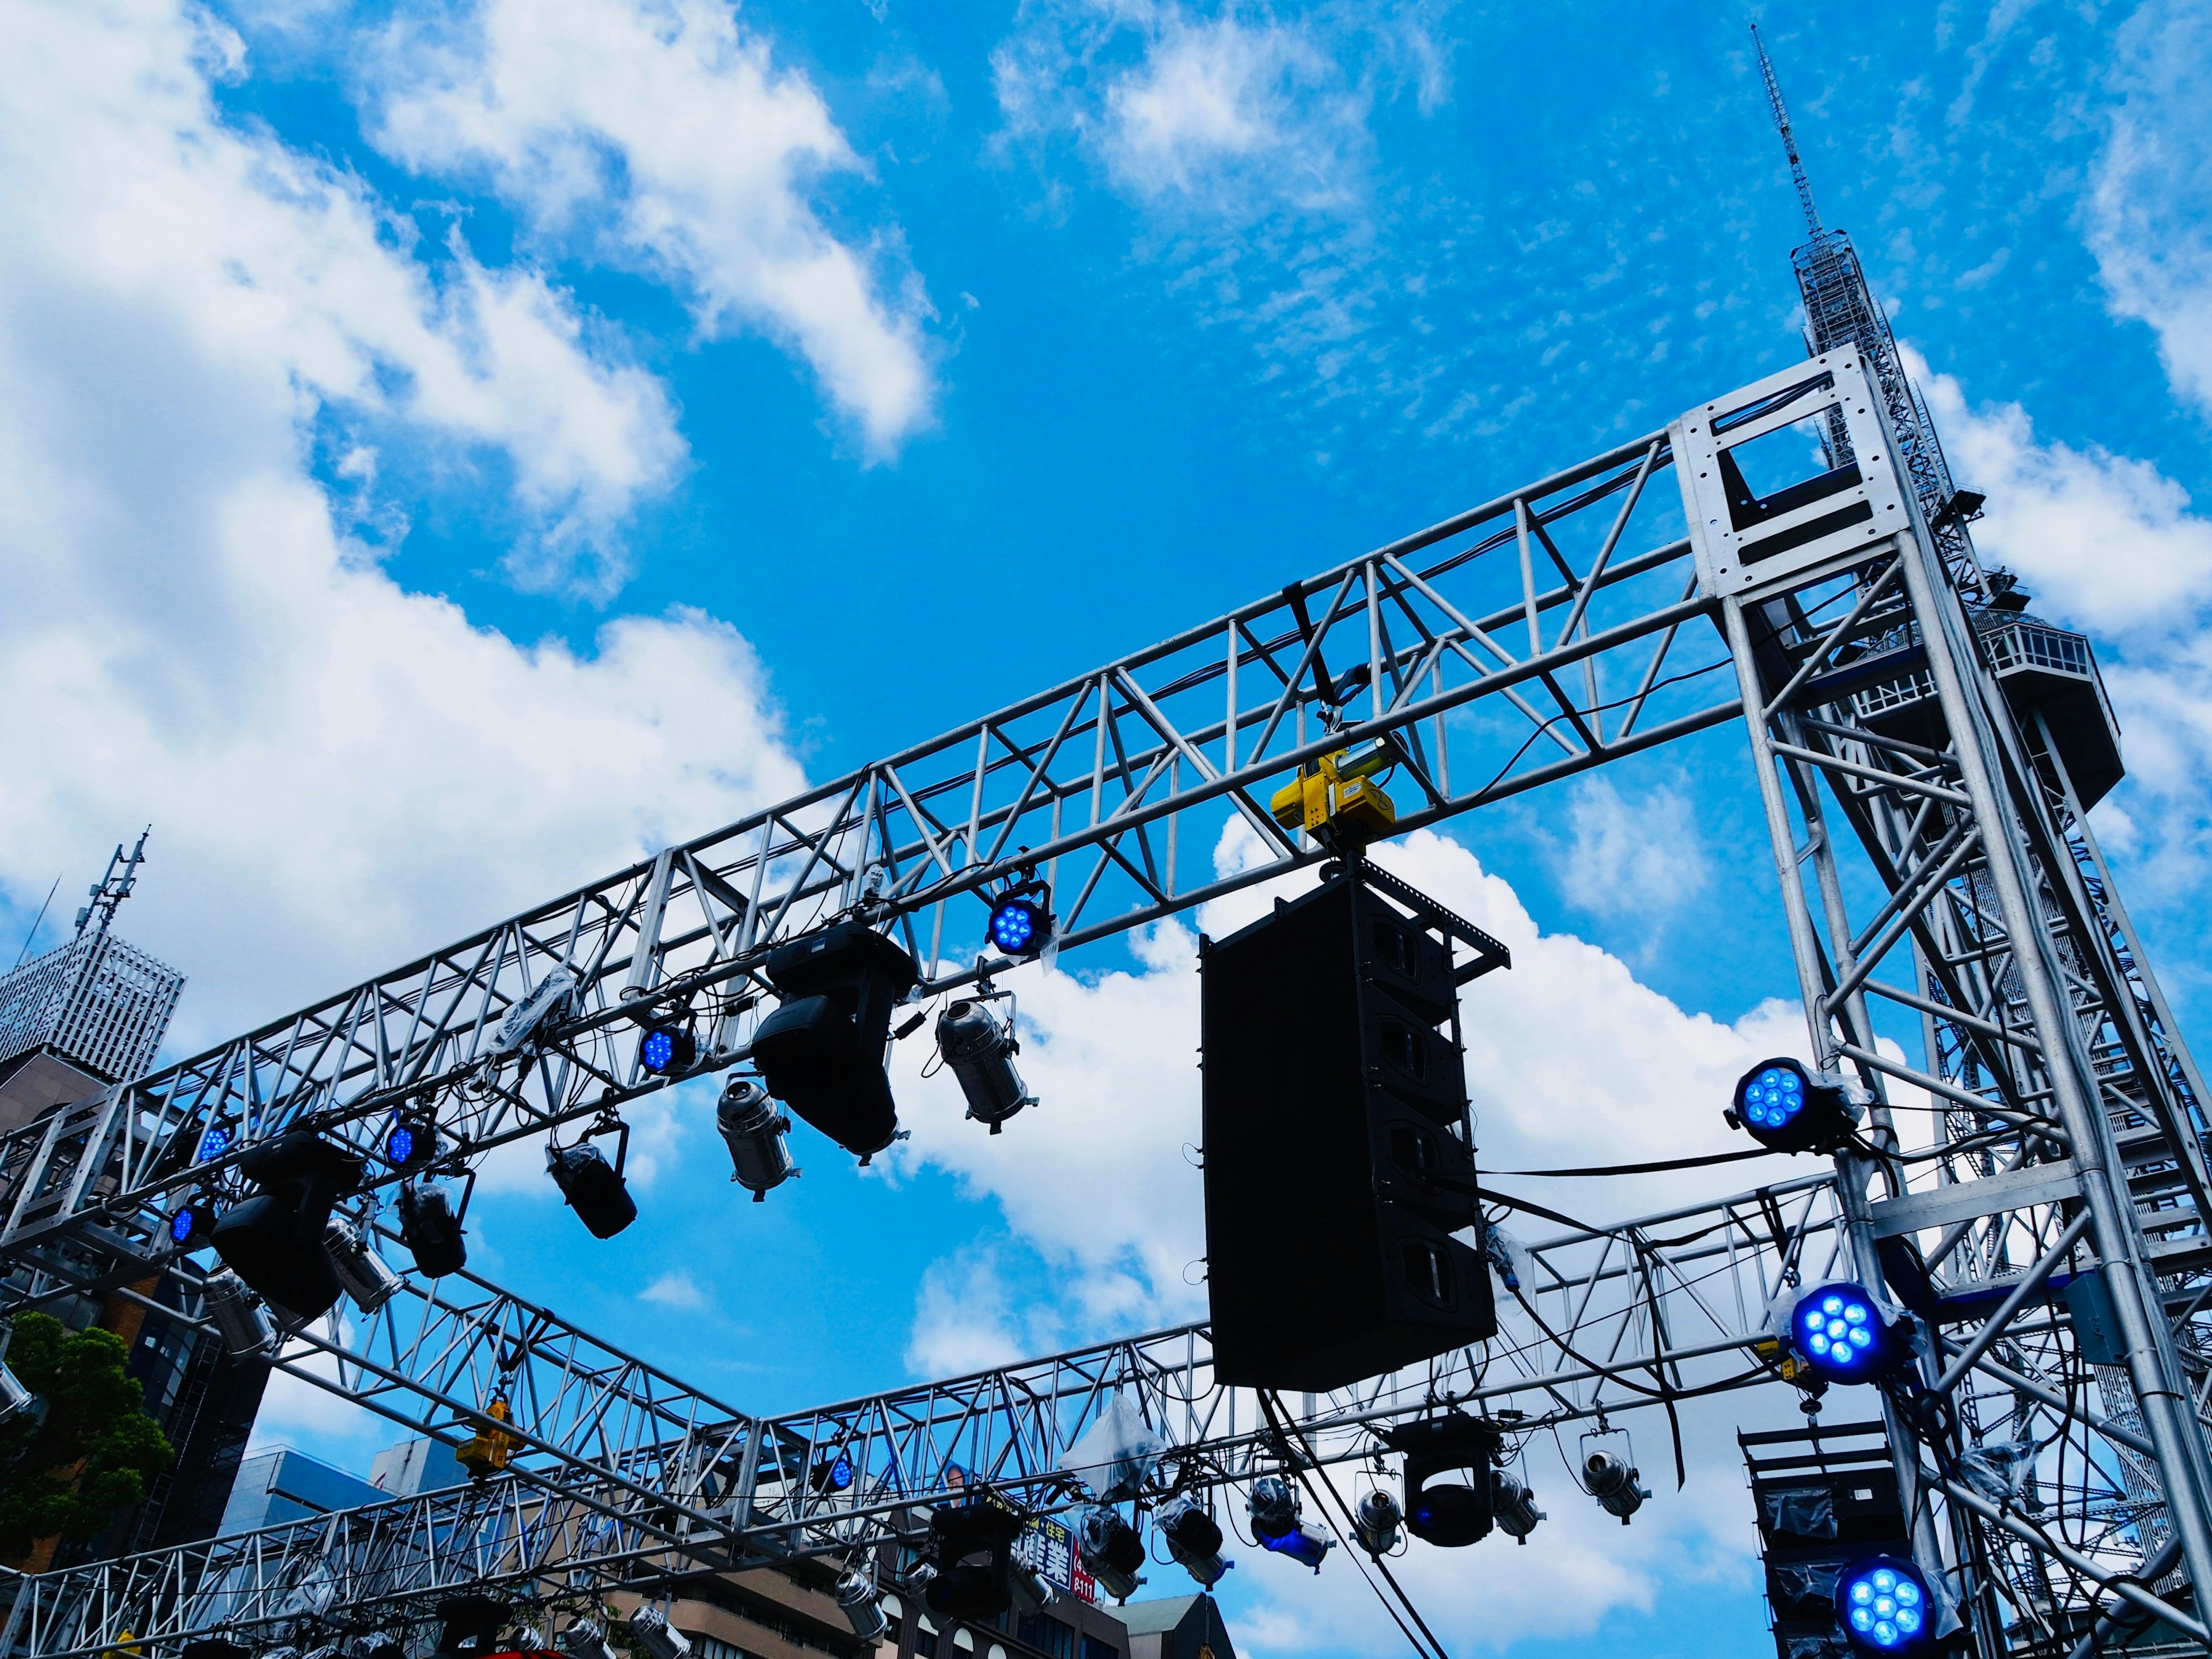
1637, 856
665, 133
2149, 208
338, 771
674, 1289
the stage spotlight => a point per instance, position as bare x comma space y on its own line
832, 1474
192, 1223
856, 1599
246, 1328
1375, 1522
1613, 1484
1028, 1591
980, 1051
1449, 1515
365, 1277
215, 1141
411, 1142
1843, 1336
667, 1047
584, 1640
971, 1548
659, 1639
593, 1188
1275, 1523
274, 1240
1112, 1553
755, 1131
430, 1228
1784, 1106
1884, 1606
821, 1052
1513, 1505
1193, 1538
1021, 920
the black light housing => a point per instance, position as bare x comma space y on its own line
1451, 1515
274, 1240
593, 1188
668, 1047
821, 1052
1782, 1105
430, 1228
1022, 924
410, 1141
971, 1546
832, 1473
1844, 1335
192, 1222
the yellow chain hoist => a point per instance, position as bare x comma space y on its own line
1336, 801
488, 1451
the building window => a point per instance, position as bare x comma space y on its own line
712, 1647
925, 1639
1048, 1635
1095, 1648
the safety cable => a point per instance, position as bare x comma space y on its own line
1280, 1422
1659, 1168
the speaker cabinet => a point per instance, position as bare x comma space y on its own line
1338, 1164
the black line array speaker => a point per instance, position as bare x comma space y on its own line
1339, 1161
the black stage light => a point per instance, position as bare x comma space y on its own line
1845, 1335
274, 1240
411, 1142
1193, 1538
471, 1623
1022, 921
971, 1547
593, 1188
832, 1474
668, 1049
1886, 1606
1785, 1107
430, 1228
1451, 1515
1113, 1553
192, 1222
821, 1052
1275, 1515
756, 1133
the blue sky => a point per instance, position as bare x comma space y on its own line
451, 450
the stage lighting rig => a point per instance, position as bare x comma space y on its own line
1843, 1333
756, 1133
1451, 1515
274, 1240
1275, 1523
1886, 1606
821, 1052
364, 1275
970, 1551
584, 1640
832, 1473
592, 1188
1513, 1505
244, 1327
1193, 1538
215, 1141
1614, 1483
192, 1222
1785, 1107
1113, 1553
1375, 1522
650, 1629
980, 1051
430, 1226
1022, 924
857, 1599
669, 1048
410, 1143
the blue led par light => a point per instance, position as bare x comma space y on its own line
1843, 1336
411, 1142
215, 1141
1885, 1607
668, 1049
1782, 1106
190, 1226
1021, 919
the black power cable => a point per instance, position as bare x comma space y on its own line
1279, 1420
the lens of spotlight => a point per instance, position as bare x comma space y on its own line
1885, 1607
1840, 1332
668, 1049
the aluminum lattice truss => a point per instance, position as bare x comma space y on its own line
1944, 896
625, 1479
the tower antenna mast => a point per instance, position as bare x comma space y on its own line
114, 887
1789, 139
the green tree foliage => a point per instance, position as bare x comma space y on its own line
83, 1449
